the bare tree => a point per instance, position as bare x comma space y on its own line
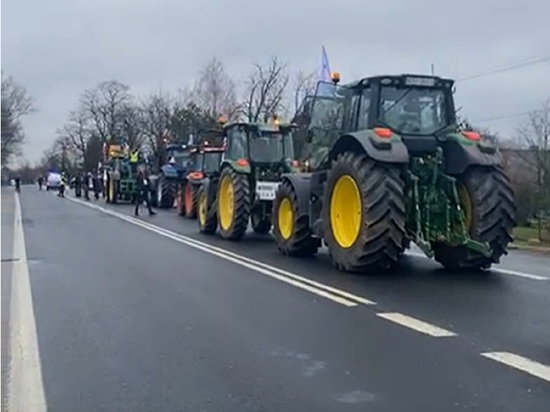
535, 137
266, 89
15, 104
303, 85
106, 103
214, 92
157, 110
77, 130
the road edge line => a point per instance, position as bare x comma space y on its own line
25, 387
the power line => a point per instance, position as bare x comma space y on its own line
507, 116
506, 68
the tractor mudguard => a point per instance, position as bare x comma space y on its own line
385, 150
461, 153
169, 172
301, 182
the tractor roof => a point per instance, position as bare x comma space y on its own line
259, 125
411, 80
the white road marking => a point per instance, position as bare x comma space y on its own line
294, 280
25, 386
519, 362
416, 324
494, 270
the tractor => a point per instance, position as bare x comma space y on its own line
255, 157
205, 161
165, 183
387, 165
118, 174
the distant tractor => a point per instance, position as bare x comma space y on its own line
118, 175
165, 183
256, 156
387, 165
204, 163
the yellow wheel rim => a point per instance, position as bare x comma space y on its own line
467, 207
345, 211
226, 202
202, 208
285, 218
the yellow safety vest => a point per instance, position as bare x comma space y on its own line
134, 157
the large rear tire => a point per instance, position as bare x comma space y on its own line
291, 229
233, 204
207, 223
190, 200
364, 213
487, 200
166, 193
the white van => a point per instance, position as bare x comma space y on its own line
53, 181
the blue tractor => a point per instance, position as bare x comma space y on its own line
172, 171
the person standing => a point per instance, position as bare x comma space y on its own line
40, 181
142, 193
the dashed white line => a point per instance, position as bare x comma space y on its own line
25, 386
519, 362
416, 324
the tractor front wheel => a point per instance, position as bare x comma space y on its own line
207, 223
487, 200
233, 204
290, 228
364, 213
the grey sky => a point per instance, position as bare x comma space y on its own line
58, 48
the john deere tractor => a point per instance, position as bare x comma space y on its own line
204, 162
387, 165
165, 183
256, 156
118, 176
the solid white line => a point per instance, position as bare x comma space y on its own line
416, 324
519, 362
494, 270
25, 386
232, 257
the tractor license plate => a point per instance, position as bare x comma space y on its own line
266, 190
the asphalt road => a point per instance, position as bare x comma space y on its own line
148, 315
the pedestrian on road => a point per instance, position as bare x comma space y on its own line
143, 193
40, 181
18, 184
62, 184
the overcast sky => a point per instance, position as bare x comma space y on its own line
58, 48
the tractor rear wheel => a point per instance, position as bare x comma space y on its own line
233, 204
487, 201
190, 200
207, 224
166, 191
290, 228
364, 213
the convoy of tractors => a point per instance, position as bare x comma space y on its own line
363, 169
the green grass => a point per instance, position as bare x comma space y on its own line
523, 234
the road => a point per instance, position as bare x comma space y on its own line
148, 315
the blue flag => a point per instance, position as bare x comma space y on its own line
324, 75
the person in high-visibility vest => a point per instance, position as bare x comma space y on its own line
134, 158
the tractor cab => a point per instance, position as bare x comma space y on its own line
419, 109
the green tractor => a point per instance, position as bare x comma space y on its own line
205, 161
255, 157
387, 165
118, 175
